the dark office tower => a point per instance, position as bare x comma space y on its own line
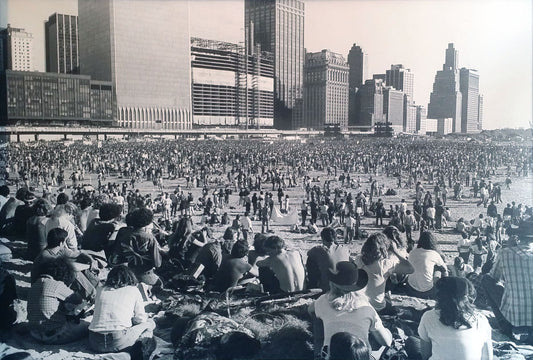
400, 78
61, 36
357, 61
445, 101
469, 85
278, 27
371, 104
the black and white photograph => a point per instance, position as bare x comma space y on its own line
266, 179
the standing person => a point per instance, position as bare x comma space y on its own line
119, 318
303, 211
409, 224
425, 259
463, 247
380, 212
323, 257
265, 218
246, 226
454, 329
345, 308
478, 250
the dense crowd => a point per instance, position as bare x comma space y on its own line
101, 244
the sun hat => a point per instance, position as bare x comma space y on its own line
348, 277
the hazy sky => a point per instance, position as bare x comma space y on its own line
492, 36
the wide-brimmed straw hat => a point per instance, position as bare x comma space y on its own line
348, 277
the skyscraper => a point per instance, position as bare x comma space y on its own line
445, 101
393, 108
278, 27
371, 104
16, 47
61, 36
143, 47
325, 90
469, 85
358, 63
400, 78
480, 113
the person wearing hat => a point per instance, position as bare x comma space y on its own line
454, 329
137, 246
509, 285
346, 308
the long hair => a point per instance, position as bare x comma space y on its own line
427, 241
346, 346
121, 276
342, 300
455, 301
375, 248
394, 235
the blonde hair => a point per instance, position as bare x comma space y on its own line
342, 300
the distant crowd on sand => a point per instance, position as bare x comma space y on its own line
101, 252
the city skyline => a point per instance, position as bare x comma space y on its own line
492, 37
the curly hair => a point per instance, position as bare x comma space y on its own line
427, 241
121, 276
455, 301
60, 269
375, 248
42, 207
393, 234
140, 218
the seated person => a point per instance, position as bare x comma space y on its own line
233, 267
346, 346
426, 259
454, 329
85, 281
102, 231
286, 266
137, 246
8, 294
323, 257
508, 285
210, 255
459, 268
119, 318
380, 258
51, 301
345, 308
36, 228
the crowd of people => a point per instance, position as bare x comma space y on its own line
102, 244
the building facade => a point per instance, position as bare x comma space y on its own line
393, 101
409, 116
61, 37
469, 86
278, 27
358, 63
36, 98
400, 78
480, 113
421, 117
227, 90
446, 99
325, 90
129, 44
16, 49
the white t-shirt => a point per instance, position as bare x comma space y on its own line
456, 344
424, 262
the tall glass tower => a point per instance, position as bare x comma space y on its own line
278, 27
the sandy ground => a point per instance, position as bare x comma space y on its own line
521, 192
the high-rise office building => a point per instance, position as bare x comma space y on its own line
409, 115
393, 105
227, 91
400, 78
371, 104
421, 117
143, 47
446, 100
325, 90
16, 49
469, 86
358, 63
278, 27
480, 113
61, 36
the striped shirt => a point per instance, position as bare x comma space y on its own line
514, 265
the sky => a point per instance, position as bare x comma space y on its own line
491, 36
